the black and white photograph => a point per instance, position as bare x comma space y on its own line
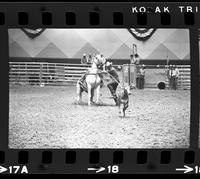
99, 88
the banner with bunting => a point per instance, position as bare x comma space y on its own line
142, 34
33, 33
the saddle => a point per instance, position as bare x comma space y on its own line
83, 83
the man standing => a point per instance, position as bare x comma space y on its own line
112, 85
169, 75
135, 59
84, 59
132, 59
89, 61
175, 74
140, 77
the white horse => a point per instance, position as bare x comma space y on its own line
93, 81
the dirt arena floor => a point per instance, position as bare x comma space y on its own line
48, 117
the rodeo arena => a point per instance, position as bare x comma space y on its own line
99, 88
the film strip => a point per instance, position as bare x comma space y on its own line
47, 48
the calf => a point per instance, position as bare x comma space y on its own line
123, 99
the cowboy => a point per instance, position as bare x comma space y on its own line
169, 75
140, 77
112, 85
89, 61
132, 59
103, 60
175, 74
136, 60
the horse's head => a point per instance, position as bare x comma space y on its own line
98, 61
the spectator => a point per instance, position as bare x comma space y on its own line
84, 59
132, 59
89, 61
136, 59
175, 74
140, 77
103, 61
169, 75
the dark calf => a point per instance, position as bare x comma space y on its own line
123, 99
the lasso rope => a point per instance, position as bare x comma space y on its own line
112, 78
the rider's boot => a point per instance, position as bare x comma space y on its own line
116, 99
101, 83
81, 81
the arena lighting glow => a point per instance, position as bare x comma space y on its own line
99, 88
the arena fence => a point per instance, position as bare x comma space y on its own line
155, 74
35, 73
43, 73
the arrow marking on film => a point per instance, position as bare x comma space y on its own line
3, 169
97, 169
186, 169
92, 169
100, 169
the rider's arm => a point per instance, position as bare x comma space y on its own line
114, 74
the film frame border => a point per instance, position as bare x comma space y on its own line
129, 160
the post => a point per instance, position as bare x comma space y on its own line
122, 75
40, 75
134, 49
26, 74
48, 78
129, 75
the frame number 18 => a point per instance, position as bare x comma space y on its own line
113, 169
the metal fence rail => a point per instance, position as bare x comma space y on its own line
39, 73
35, 73
155, 74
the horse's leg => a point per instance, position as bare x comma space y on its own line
124, 109
89, 94
98, 93
119, 108
79, 93
92, 95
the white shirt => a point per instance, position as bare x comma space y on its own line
175, 72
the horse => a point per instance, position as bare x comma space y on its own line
92, 80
